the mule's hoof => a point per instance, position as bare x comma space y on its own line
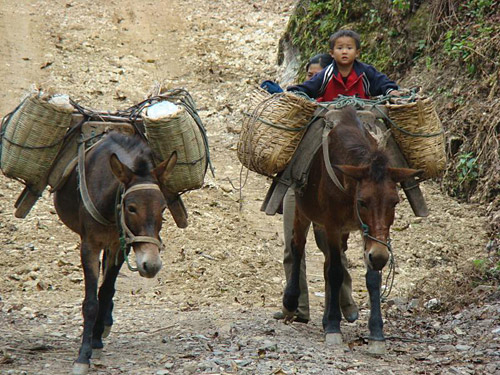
96, 353
80, 368
350, 313
376, 347
107, 331
333, 338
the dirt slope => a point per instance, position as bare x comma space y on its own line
209, 309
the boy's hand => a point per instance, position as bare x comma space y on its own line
396, 93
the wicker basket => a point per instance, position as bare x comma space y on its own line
179, 132
419, 134
272, 131
31, 138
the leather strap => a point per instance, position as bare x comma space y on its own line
87, 201
326, 156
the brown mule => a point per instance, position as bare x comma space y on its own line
350, 187
118, 170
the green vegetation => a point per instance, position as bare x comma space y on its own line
434, 37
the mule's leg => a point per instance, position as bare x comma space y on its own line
334, 277
106, 293
375, 323
347, 304
90, 306
288, 222
108, 316
293, 288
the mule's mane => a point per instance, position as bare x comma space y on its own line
133, 152
360, 147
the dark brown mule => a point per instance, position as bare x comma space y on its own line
363, 199
118, 169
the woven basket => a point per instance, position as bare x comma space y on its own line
272, 130
179, 132
32, 137
419, 134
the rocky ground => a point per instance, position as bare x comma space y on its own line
209, 309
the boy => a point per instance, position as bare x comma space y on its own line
346, 75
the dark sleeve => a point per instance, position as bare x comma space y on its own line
380, 84
312, 87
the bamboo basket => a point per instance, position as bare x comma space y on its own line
272, 130
31, 138
419, 134
179, 132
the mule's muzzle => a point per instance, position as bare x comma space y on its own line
376, 258
148, 260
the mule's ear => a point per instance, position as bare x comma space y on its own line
352, 171
120, 170
401, 174
165, 168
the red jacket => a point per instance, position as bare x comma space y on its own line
336, 86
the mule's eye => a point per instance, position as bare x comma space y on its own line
132, 209
362, 203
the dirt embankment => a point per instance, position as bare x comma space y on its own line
209, 309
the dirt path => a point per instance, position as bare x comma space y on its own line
208, 311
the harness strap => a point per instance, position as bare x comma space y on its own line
326, 157
87, 201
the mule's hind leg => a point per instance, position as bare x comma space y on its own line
108, 316
347, 304
104, 318
90, 306
293, 288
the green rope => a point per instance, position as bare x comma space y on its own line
358, 103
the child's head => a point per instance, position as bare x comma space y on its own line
344, 47
317, 63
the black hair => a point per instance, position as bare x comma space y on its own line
341, 33
323, 59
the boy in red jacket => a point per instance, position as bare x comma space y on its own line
346, 75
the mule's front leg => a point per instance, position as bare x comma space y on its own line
90, 307
334, 277
375, 324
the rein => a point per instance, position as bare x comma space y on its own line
392, 265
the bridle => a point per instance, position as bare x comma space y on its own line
127, 238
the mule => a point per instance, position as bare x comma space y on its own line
350, 187
113, 201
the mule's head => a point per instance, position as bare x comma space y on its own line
142, 210
374, 206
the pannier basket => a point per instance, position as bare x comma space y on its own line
181, 131
32, 136
418, 132
272, 130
